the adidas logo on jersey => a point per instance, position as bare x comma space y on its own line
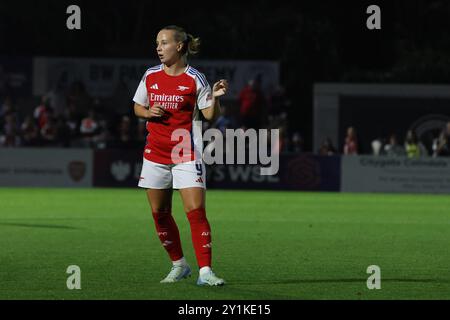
199, 180
155, 86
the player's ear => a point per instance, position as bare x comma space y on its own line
180, 46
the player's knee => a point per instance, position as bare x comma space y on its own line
192, 208
194, 205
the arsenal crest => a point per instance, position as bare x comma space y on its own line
77, 170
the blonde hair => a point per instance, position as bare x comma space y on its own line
191, 44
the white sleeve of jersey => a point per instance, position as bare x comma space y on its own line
204, 92
141, 95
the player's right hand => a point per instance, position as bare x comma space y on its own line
156, 111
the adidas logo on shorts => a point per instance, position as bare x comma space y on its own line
199, 180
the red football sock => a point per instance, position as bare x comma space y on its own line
201, 236
168, 234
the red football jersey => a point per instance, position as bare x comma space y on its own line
181, 97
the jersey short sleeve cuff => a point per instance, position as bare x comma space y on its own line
141, 96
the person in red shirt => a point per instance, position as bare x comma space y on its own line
41, 112
171, 97
351, 143
252, 104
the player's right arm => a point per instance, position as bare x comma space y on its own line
156, 111
142, 108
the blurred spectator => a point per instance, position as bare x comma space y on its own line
79, 98
63, 131
103, 140
100, 108
327, 148
73, 113
392, 148
90, 129
278, 102
42, 111
49, 132
296, 143
413, 147
225, 120
6, 107
443, 142
277, 121
73, 122
377, 144
10, 136
252, 103
57, 99
351, 143
29, 132
89, 125
124, 136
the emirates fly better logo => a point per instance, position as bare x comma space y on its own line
167, 101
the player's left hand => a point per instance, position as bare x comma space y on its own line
220, 88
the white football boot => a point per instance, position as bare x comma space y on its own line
177, 273
210, 279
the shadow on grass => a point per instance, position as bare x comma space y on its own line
34, 225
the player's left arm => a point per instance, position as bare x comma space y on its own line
219, 89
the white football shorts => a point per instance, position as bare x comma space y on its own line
177, 176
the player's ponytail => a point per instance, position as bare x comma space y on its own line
191, 44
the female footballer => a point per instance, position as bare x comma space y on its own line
170, 97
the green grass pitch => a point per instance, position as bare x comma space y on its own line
267, 245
